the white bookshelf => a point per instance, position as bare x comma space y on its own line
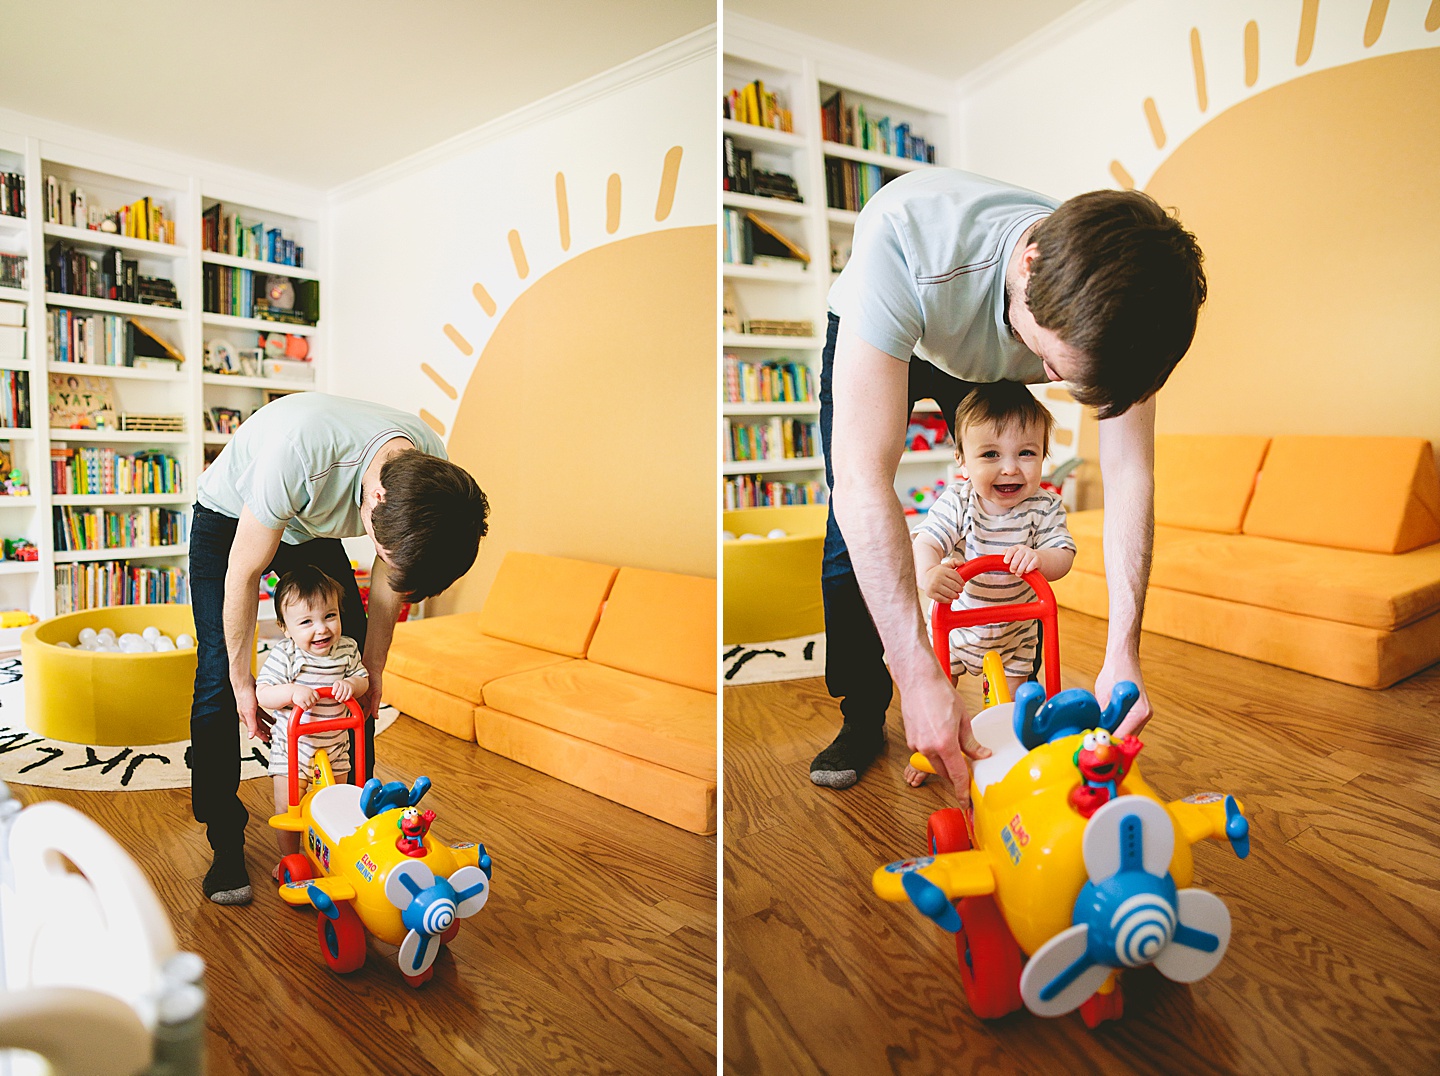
805, 72
110, 181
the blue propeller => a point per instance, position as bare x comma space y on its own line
1237, 828
932, 901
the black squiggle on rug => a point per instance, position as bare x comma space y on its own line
749, 655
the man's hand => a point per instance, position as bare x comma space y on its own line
248, 708
303, 697
1021, 559
938, 726
942, 582
1114, 671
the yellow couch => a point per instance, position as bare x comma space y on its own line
1320, 554
603, 677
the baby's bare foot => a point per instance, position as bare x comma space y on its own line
913, 777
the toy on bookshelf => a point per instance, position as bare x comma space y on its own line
19, 549
926, 433
81, 403
17, 618
920, 499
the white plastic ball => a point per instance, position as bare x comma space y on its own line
152, 633
87, 635
183, 641
729, 536
777, 533
750, 538
164, 643
132, 636
108, 646
131, 646
66, 645
107, 633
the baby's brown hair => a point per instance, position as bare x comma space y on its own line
306, 583
1005, 404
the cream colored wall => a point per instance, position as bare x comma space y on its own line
1300, 143
543, 294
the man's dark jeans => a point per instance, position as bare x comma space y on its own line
855, 670
214, 719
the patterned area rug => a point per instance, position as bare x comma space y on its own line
785, 659
30, 759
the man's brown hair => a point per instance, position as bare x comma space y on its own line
1004, 404
308, 584
1120, 280
430, 523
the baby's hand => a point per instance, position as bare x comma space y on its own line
304, 697
341, 690
942, 583
1021, 559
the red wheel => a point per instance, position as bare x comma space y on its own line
449, 933
342, 940
946, 832
1098, 1008
418, 980
295, 868
990, 960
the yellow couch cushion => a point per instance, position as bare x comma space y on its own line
1204, 481
1349, 653
1377, 590
451, 654
662, 723
551, 603
447, 713
660, 625
1372, 493
658, 791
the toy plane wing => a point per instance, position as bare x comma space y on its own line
956, 874
335, 889
1200, 817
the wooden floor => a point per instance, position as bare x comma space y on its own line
596, 952
1334, 960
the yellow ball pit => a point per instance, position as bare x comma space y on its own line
110, 700
772, 585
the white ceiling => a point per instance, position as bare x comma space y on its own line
316, 92
945, 38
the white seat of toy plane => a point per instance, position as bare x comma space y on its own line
336, 811
995, 729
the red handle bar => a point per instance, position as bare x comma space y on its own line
354, 720
943, 619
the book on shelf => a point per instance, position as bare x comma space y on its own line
771, 381
78, 528
742, 177
748, 239
12, 270
754, 104
774, 438
244, 293
850, 184
105, 340
756, 491
71, 271
89, 470
12, 194
69, 205
96, 584
850, 125
226, 233
14, 399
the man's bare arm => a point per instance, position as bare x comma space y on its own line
867, 437
1127, 463
250, 554
383, 612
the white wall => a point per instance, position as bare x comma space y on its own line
1054, 112
407, 245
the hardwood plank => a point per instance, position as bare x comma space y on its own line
596, 952
1332, 965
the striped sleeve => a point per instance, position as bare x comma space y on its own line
354, 663
1050, 529
276, 669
